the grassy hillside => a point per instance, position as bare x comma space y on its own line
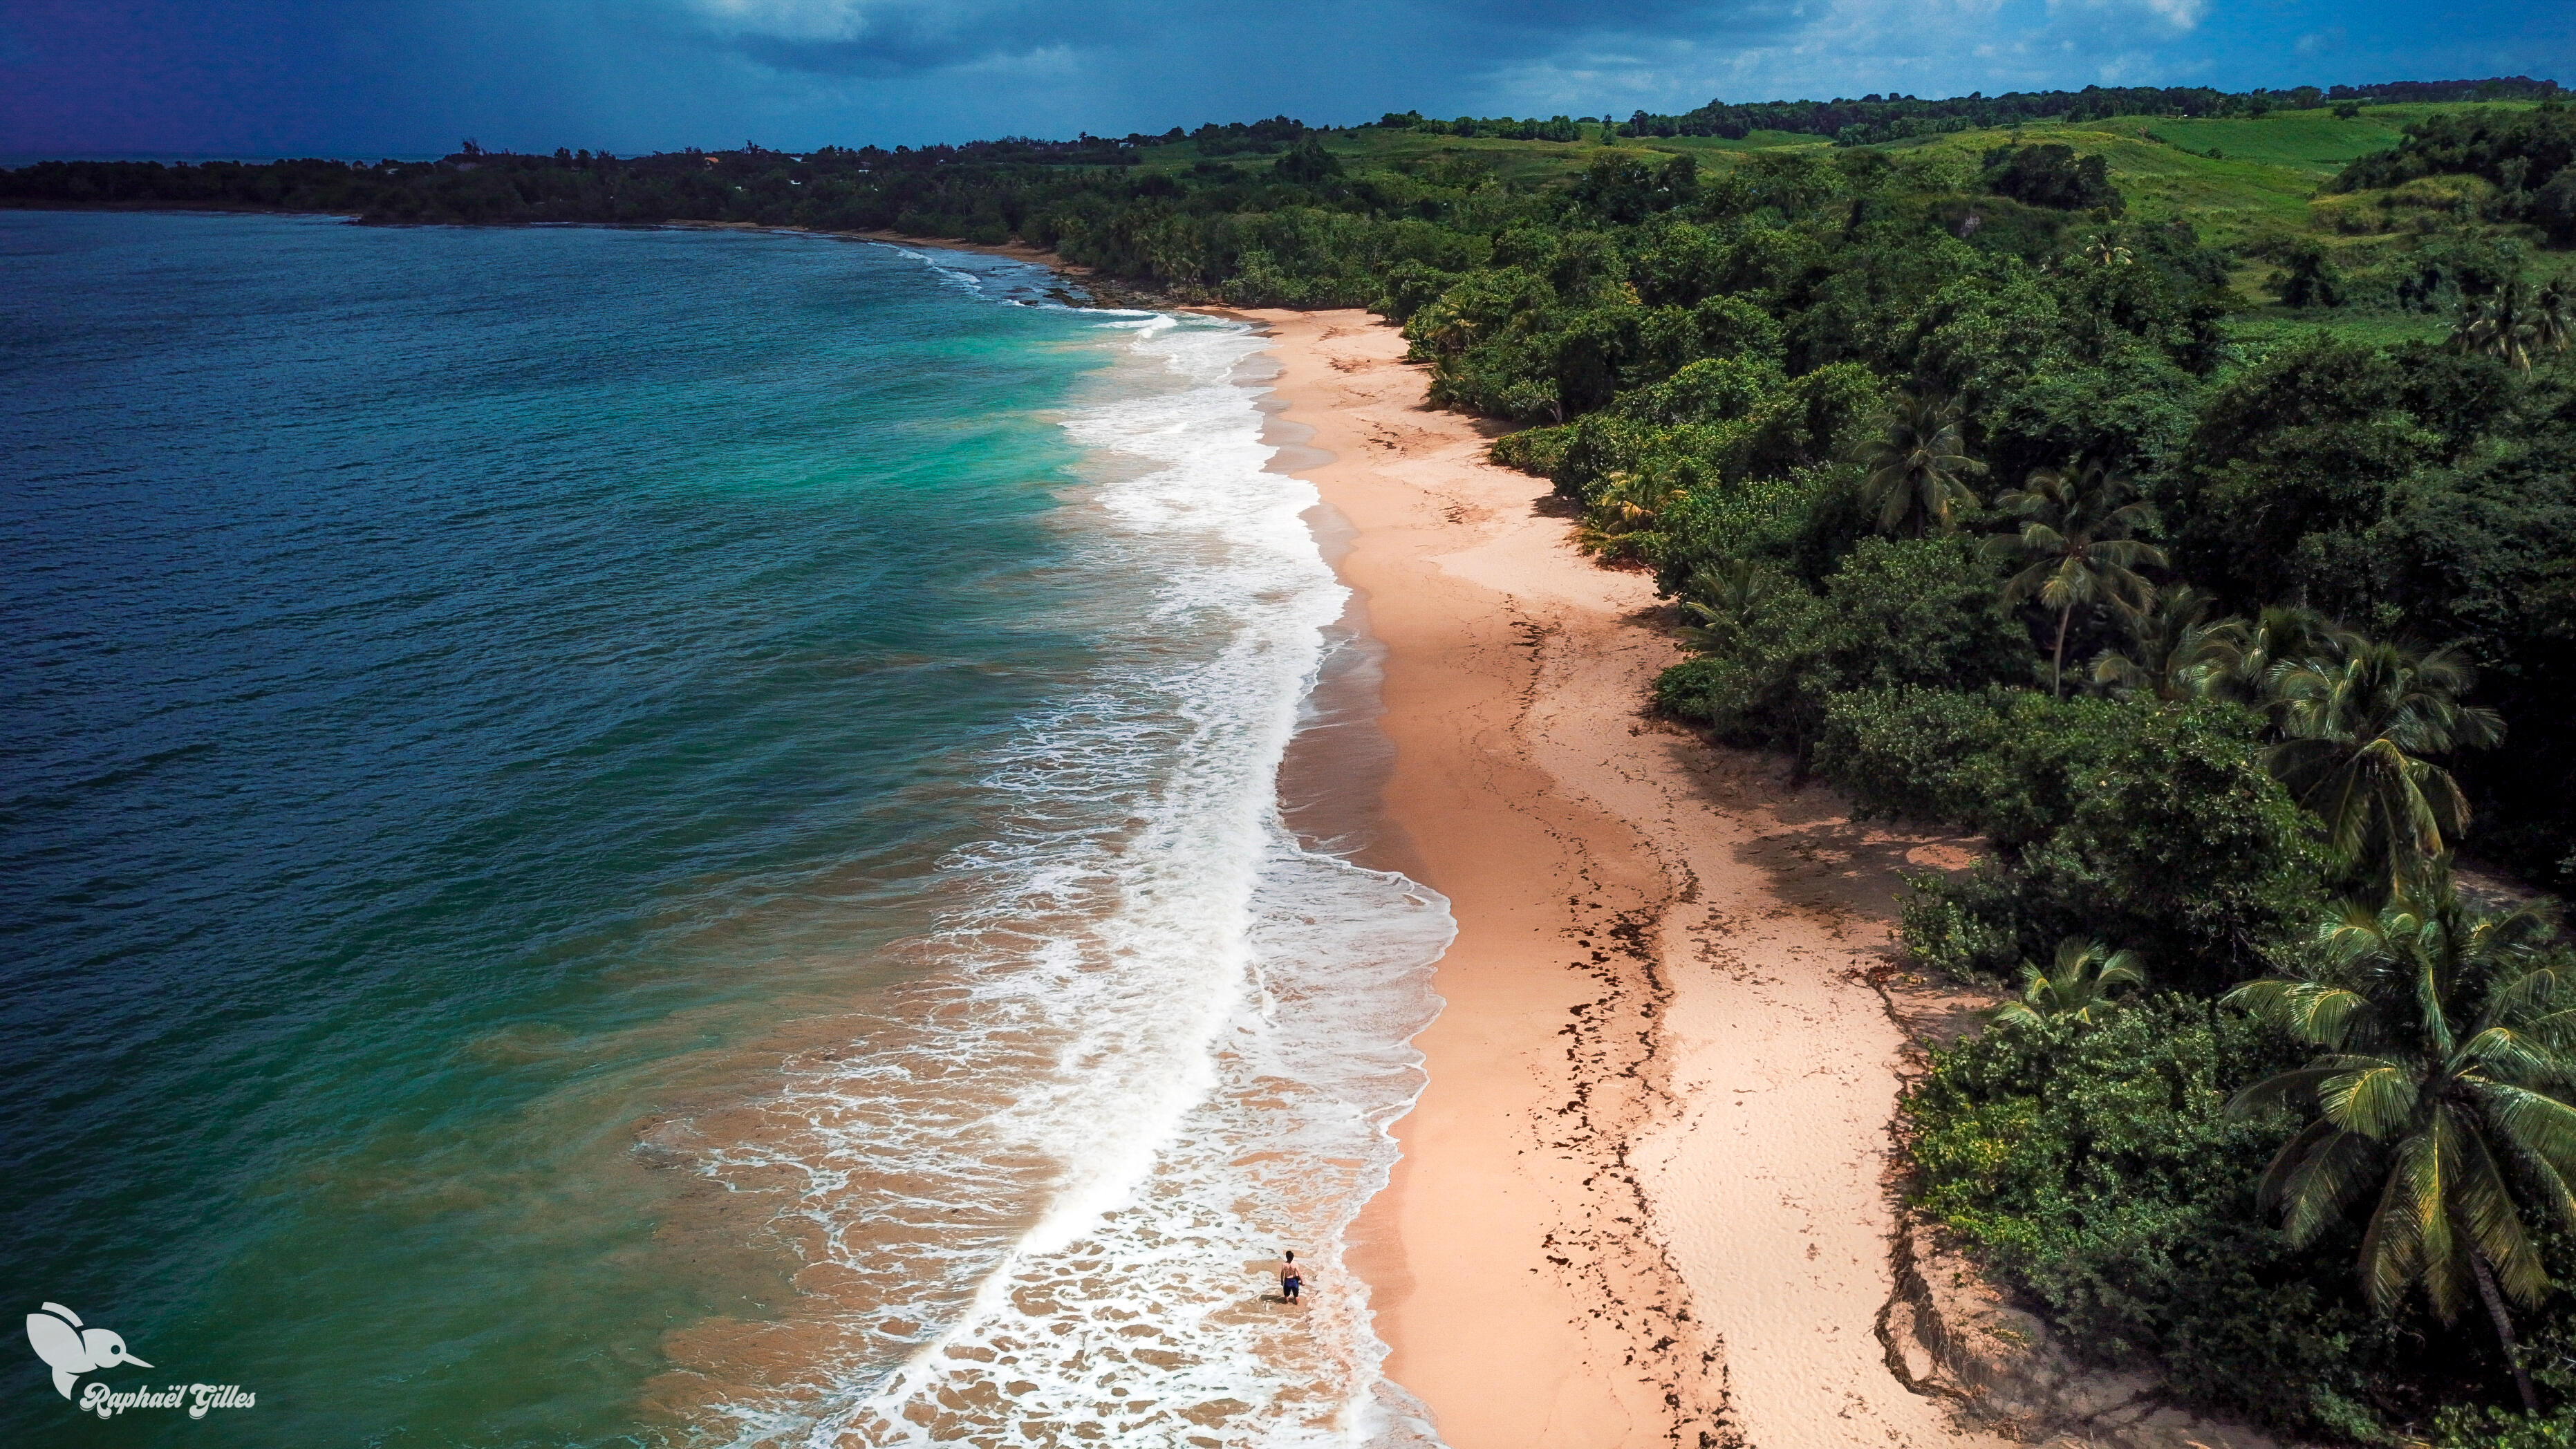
2248, 184
2257, 187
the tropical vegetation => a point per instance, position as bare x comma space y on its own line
2438, 1095
2175, 489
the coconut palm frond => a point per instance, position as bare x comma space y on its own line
2077, 551
2456, 1120
2078, 986
2356, 718
1918, 465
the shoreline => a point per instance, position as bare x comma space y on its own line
1645, 1197
1583, 1243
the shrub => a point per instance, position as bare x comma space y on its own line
1779, 521
2309, 278
1532, 450
2132, 820
2051, 175
1711, 390
1961, 926
1917, 611
2094, 1170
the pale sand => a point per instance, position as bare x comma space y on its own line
1642, 1200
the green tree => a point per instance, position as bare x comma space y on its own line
2311, 278
2077, 987
2507, 326
1896, 612
2155, 825
1916, 466
2235, 658
2357, 717
2104, 251
2553, 318
2170, 651
2093, 1170
2445, 1053
2076, 549
1307, 163
2051, 175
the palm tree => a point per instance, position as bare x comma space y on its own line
2553, 317
2075, 537
1720, 599
2235, 658
2505, 326
2171, 648
1628, 509
1916, 464
2075, 988
2102, 252
2444, 1052
2356, 718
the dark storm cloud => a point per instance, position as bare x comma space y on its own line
897, 39
881, 40
405, 76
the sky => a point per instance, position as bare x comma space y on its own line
368, 78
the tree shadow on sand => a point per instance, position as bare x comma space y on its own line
1844, 873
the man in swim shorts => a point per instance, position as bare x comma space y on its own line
1291, 1277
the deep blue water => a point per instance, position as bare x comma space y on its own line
455, 685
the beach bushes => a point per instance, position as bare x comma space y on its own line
2156, 825
2463, 1426
2095, 1170
1805, 389
1294, 254
2122, 1168
1895, 612
1728, 420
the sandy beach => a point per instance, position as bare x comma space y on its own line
1644, 1199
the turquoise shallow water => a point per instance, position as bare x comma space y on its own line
462, 690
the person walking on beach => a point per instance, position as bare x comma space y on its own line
1291, 1277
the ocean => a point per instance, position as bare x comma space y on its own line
648, 837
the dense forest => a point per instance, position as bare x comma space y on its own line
2178, 490
1877, 118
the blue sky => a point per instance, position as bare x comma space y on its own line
392, 77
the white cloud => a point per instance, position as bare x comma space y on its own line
2177, 17
808, 19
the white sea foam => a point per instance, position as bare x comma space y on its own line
993, 278
1159, 1041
